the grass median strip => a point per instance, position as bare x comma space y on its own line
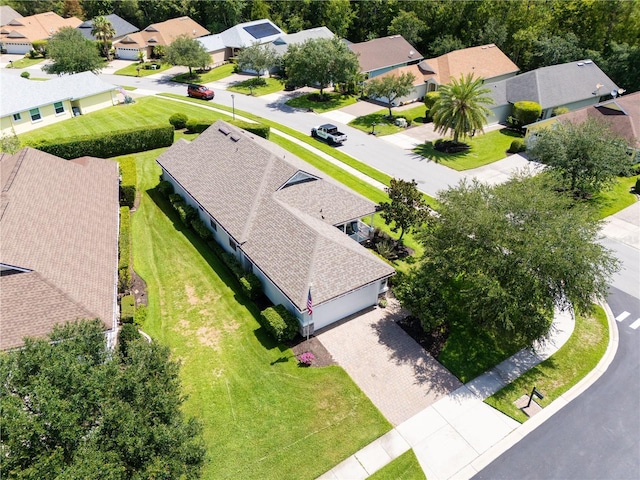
405, 467
563, 370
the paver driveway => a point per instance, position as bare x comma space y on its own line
394, 371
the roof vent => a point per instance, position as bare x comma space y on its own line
588, 62
580, 64
224, 130
235, 137
485, 47
492, 46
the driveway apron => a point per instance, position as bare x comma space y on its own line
394, 371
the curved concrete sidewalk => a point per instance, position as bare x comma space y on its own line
460, 434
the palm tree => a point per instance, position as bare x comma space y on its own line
103, 31
461, 107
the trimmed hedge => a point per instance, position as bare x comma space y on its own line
251, 285
255, 128
526, 111
517, 146
201, 229
197, 126
187, 212
279, 322
129, 181
178, 120
165, 188
124, 250
175, 198
110, 144
127, 309
232, 262
128, 333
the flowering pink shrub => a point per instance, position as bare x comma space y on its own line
306, 358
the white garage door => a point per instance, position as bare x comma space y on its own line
127, 53
341, 307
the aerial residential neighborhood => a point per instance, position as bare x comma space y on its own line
330, 239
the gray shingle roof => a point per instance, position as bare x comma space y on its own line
282, 230
59, 219
119, 24
238, 37
281, 44
20, 94
7, 14
555, 85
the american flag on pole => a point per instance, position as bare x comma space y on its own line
309, 303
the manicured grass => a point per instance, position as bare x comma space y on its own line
39, 79
25, 62
131, 89
617, 198
335, 100
485, 148
470, 351
563, 370
264, 417
405, 467
247, 87
384, 125
211, 76
132, 70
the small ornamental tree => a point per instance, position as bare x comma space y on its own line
70, 52
391, 87
257, 57
406, 209
188, 52
526, 112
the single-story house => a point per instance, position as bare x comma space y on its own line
381, 55
157, 34
573, 85
59, 256
621, 114
7, 14
485, 61
287, 222
18, 35
281, 44
26, 105
225, 45
119, 24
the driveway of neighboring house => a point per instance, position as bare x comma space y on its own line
394, 371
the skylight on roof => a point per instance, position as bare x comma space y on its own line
261, 30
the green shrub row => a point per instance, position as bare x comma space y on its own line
201, 229
128, 182
127, 309
165, 188
517, 146
128, 333
124, 250
279, 322
110, 144
178, 120
199, 126
251, 285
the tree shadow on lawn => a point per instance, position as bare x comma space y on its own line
426, 150
217, 265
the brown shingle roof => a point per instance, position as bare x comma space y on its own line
485, 61
243, 184
164, 33
384, 52
59, 219
36, 27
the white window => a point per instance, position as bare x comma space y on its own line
59, 108
35, 114
17, 117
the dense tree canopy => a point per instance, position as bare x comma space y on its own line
70, 52
408, 25
257, 57
70, 408
460, 107
320, 62
390, 87
188, 52
587, 156
406, 208
502, 257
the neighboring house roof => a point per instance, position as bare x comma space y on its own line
246, 34
59, 255
621, 115
20, 94
163, 33
484, 61
7, 14
212, 43
281, 44
286, 228
119, 24
555, 85
413, 69
384, 52
35, 27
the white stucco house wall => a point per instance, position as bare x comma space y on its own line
285, 221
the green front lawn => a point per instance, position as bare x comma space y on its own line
485, 149
332, 102
385, 125
619, 197
563, 370
405, 467
271, 85
264, 417
212, 75
25, 62
132, 70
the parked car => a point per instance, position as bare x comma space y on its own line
200, 91
329, 133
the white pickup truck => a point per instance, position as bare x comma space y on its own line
329, 133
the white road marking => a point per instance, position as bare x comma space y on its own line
635, 324
622, 316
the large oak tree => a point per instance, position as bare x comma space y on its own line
70, 52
